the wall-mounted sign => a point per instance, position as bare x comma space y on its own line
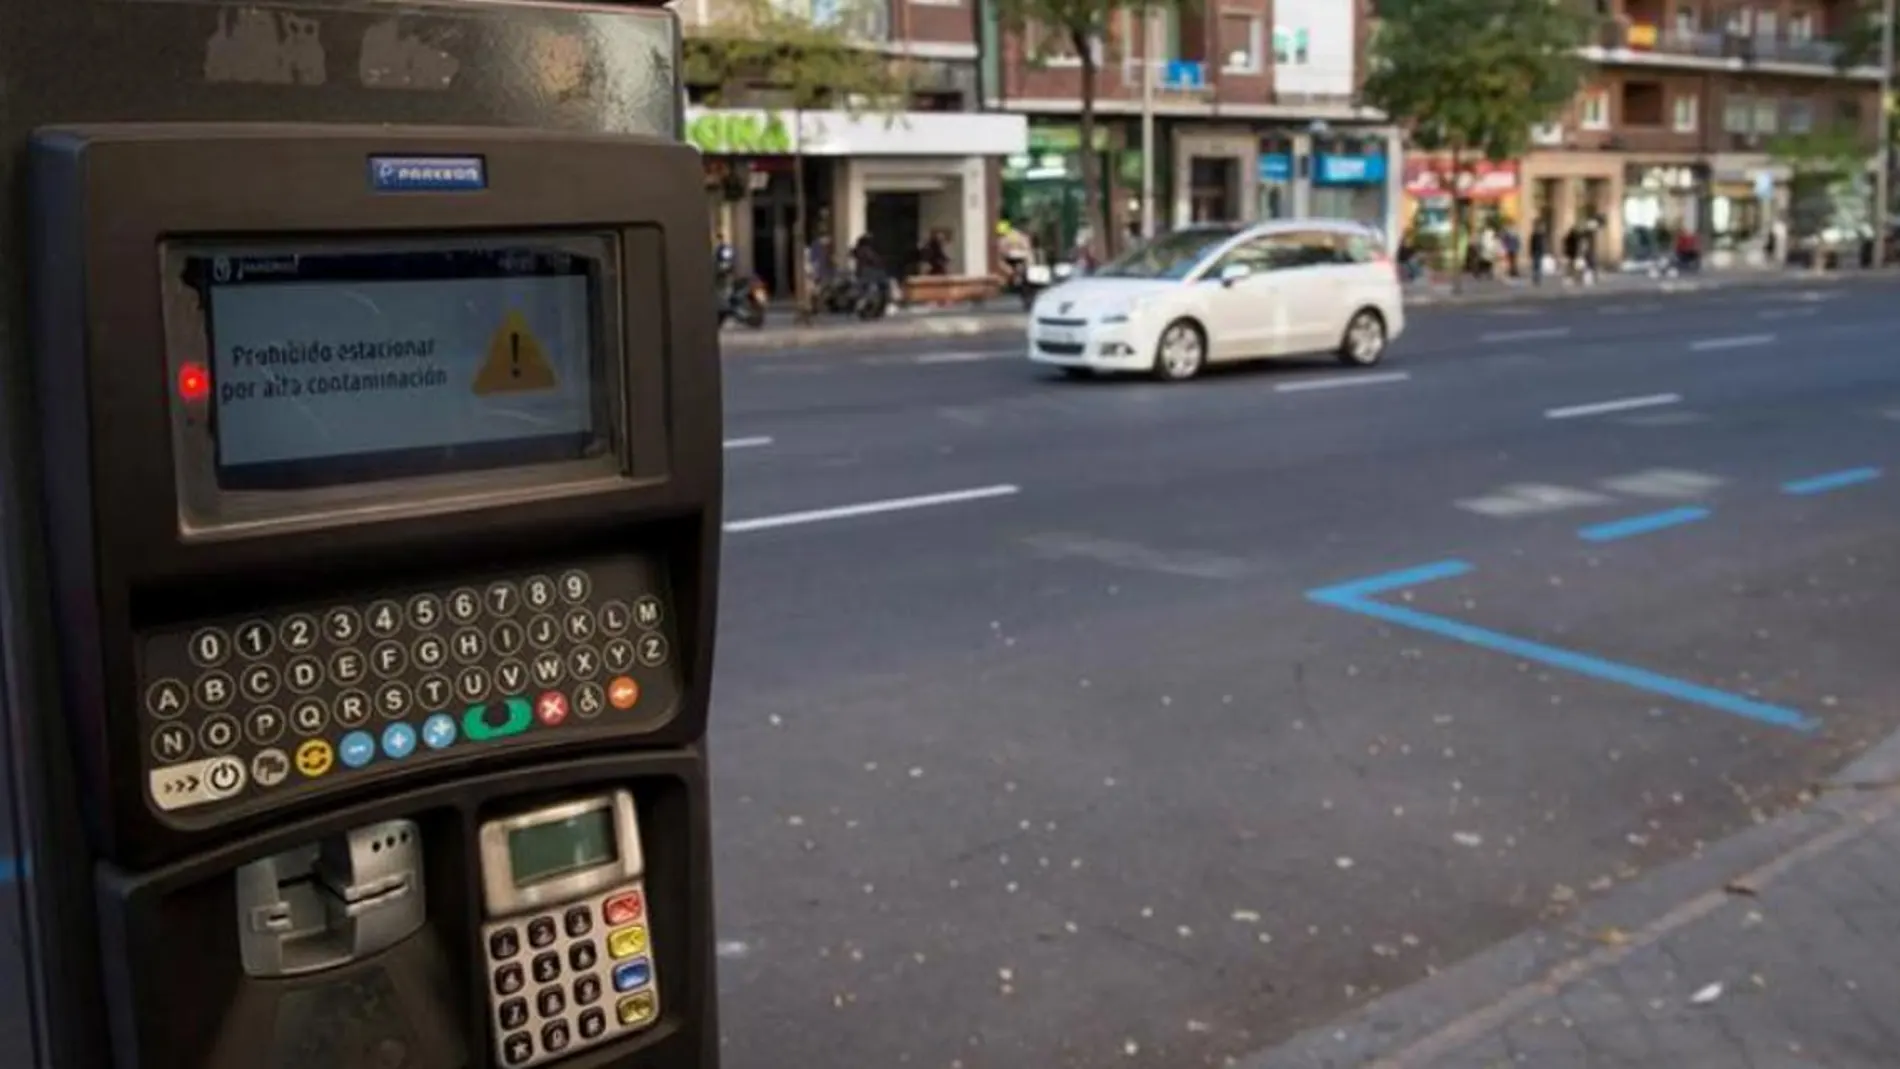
1276, 167
740, 133
761, 132
1661, 178
1429, 177
1356, 169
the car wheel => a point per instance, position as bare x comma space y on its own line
1364, 342
1181, 352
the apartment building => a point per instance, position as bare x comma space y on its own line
1678, 124
1256, 116
897, 176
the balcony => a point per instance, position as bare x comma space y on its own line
1714, 47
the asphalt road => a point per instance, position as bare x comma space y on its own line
1175, 719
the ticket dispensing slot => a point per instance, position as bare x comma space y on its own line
331, 903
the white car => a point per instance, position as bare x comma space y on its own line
1219, 292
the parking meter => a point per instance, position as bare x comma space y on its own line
362, 549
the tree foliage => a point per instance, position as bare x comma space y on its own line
1831, 152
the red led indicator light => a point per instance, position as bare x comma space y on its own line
193, 384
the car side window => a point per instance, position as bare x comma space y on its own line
1322, 248
1268, 252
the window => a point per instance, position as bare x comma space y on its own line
1735, 114
1800, 116
1682, 117
1053, 47
1268, 252
1685, 21
1291, 45
1801, 27
1740, 21
1240, 42
1594, 113
1765, 25
1767, 116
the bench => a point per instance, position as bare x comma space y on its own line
943, 290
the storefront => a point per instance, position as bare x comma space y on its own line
1274, 196
1490, 189
1748, 208
1215, 174
1349, 181
1043, 191
1565, 189
1660, 200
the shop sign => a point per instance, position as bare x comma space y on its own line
1276, 167
1064, 139
1358, 169
1479, 180
1659, 178
740, 133
1641, 35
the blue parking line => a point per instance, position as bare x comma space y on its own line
1354, 597
1821, 484
1644, 524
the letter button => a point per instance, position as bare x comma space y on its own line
580, 625
309, 716
652, 650
166, 698
389, 658
647, 612
347, 667
265, 725
304, 674
213, 690
615, 618
259, 682
218, 733
352, 708
172, 743
617, 654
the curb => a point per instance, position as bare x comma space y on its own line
976, 324
1435, 1017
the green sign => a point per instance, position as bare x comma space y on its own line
740, 133
1064, 139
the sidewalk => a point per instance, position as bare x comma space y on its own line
1000, 317
1779, 947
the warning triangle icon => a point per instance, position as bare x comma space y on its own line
516, 362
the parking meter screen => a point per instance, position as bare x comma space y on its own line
341, 365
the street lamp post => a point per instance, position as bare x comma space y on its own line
1149, 51
1885, 154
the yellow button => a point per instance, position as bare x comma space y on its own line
315, 757
628, 941
636, 1009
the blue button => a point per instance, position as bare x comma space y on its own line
399, 740
631, 974
439, 731
356, 749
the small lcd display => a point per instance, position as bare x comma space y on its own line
541, 852
344, 365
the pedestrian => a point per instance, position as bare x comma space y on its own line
1540, 251
1511, 249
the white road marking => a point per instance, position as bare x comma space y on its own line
870, 508
1673, 483
1524, 335
1737, 341
1621, 404
748, 443
1787, 313
972, 357
1529, 499
1343, 380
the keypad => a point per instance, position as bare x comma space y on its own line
592, 981
269, 706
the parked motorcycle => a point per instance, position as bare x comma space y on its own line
743, 299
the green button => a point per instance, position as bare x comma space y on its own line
476, 726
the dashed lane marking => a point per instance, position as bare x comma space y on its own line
1621, 404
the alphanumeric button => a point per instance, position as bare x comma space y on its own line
264, 725
582, 956
547, 967
579, 625
512, 1013
542, 933
538, 592
551, 1001
503, 598
517, 1049
394, 699
554, 1037
434, 692
576, 585
166, 698
593, 1024
213, 690
615, 618
472, 683
342, 625
353, 709
259, 682
503, 943
646, 612
384, 618
298, 632
578, 921
583, 662
510, 979
464, 606
507, 638
431, 652
255, 639
547, 668
304, 674
587, 991
389, 658
469, 645
425, 610
589, 700
511, 676
309, 716
348, 667
543, 632
651, 650
172, 743
218, 733
209, 647
617, 654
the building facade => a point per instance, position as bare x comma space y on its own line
1256, 117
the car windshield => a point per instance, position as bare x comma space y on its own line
1170, 255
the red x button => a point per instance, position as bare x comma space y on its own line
551, 708
624, 908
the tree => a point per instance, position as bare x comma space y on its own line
807, 58
1051, 28
1471, 77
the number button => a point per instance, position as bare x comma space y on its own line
385, 618
265, 725
652, 650
304, 674
587, 990
213, 690
464, 606
347, 667
507, 638
431, 652
543, 632
259, 682
538, 592
469, 645
309, 716
541, 932
434, 692
547, 967
554, 1036
580, 625
589, 701
575, 586
166, 698
509, 979
352, 708
551, 1001
394, 699
513, 1013
390, 658
342, 625
502, 597
218, 733
504, 943
255, 639
172, 743
425, 610
298, 632
617, 654
209, 647
646, 612
583, 956
583, 662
